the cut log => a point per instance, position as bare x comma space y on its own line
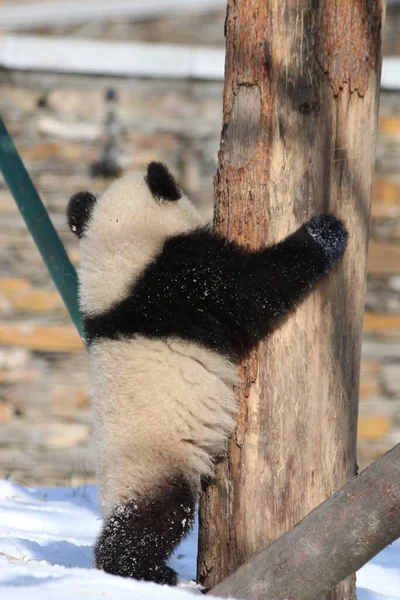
335, 539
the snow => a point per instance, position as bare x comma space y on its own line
46, 538
380, 578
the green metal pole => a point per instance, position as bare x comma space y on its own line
41, 228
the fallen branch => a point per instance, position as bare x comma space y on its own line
334, 540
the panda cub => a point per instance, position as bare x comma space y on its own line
169, 308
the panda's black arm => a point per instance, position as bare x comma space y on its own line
206, 290
249, 292
284, 273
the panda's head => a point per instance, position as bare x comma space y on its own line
123, 230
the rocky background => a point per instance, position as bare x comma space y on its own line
57, 123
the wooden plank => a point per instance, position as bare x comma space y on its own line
14, 16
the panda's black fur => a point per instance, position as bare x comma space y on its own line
164, 335
213, 307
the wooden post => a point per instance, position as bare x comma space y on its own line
298, 139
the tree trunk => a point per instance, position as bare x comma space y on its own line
338, 537
298, 139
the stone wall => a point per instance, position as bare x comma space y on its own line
57, 124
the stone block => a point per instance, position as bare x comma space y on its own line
368, 452
44, 338
74, 254
19, 98
45, 150
383, 295
385, 229
21, 297
81, 103
7, 203
39, 301
69, 130
11, 285
383, 258
6, 412
385, 198
377, 349
369, 388
373, 427
14, 358
16, 462
389, 125
9, 376
67, 184
391, 378
370, 367
65, 435
374, 323
66, 400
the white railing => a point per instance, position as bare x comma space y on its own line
69, 55
15, 16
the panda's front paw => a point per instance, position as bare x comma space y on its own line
331, 234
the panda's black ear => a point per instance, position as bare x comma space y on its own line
161, 183
79, 211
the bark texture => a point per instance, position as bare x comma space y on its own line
298, 139
334, 540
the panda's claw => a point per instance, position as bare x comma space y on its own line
331, 234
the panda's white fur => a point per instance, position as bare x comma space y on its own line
147, 395
169, 308
166, 392
127, 230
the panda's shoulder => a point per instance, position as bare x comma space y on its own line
200, 238
203, 242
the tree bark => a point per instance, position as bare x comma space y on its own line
335, 539
298, 139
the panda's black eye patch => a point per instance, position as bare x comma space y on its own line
79, 211
161, 183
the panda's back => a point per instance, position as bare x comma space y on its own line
167, 404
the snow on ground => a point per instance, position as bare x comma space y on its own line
380, 578
46, 538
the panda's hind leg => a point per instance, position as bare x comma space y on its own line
139, 535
